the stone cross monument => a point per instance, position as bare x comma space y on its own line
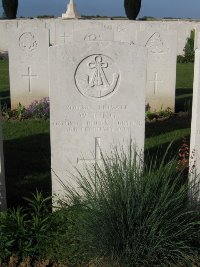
71, 12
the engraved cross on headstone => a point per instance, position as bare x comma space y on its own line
97, 154
155, 82
29, 76
64, 36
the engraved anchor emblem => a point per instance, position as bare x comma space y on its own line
98, 78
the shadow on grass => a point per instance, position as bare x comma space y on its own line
156, 128
27, 167
171, 149
183, 99
5, 99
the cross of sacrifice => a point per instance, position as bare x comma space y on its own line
155, 82
29, 76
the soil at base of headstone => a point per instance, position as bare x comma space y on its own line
3, 55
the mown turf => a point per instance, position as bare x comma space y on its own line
184, 85
27, 159
4, 81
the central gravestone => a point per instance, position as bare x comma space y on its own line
97, 92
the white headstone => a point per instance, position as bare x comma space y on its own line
3, 202
161, 68
3, 33
161, 44
28, 64
195, 125
97, 94
71, 12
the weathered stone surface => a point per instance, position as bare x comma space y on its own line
3, 202
97, 94
183, 28
161, 68
28, 64
195, 125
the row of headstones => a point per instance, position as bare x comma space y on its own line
58, 33
28, 56
195, 124
97, 92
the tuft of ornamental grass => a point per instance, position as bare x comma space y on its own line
136, 215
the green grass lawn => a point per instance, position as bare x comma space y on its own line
4, 82
27, 143
184, 83
27, 158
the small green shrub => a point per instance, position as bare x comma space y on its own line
150, 115
180, 59
38, 109
135, 216
188, 56
165, 113
189, 48
23, 230
123, 213
162, 113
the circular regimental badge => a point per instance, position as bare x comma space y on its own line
97, 76
27, 42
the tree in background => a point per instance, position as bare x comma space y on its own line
10, 8
132, 8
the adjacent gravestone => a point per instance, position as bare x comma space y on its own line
97, 94
195, 124
3, 33
3, 204
161, 68
28, 64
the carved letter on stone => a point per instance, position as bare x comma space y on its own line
90, 37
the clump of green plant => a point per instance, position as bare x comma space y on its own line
38, 109
150, 115
18, 113
165, 113
162, 113
23, 230
188, 56
136, 215
33, 234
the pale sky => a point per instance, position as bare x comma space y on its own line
154, 8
